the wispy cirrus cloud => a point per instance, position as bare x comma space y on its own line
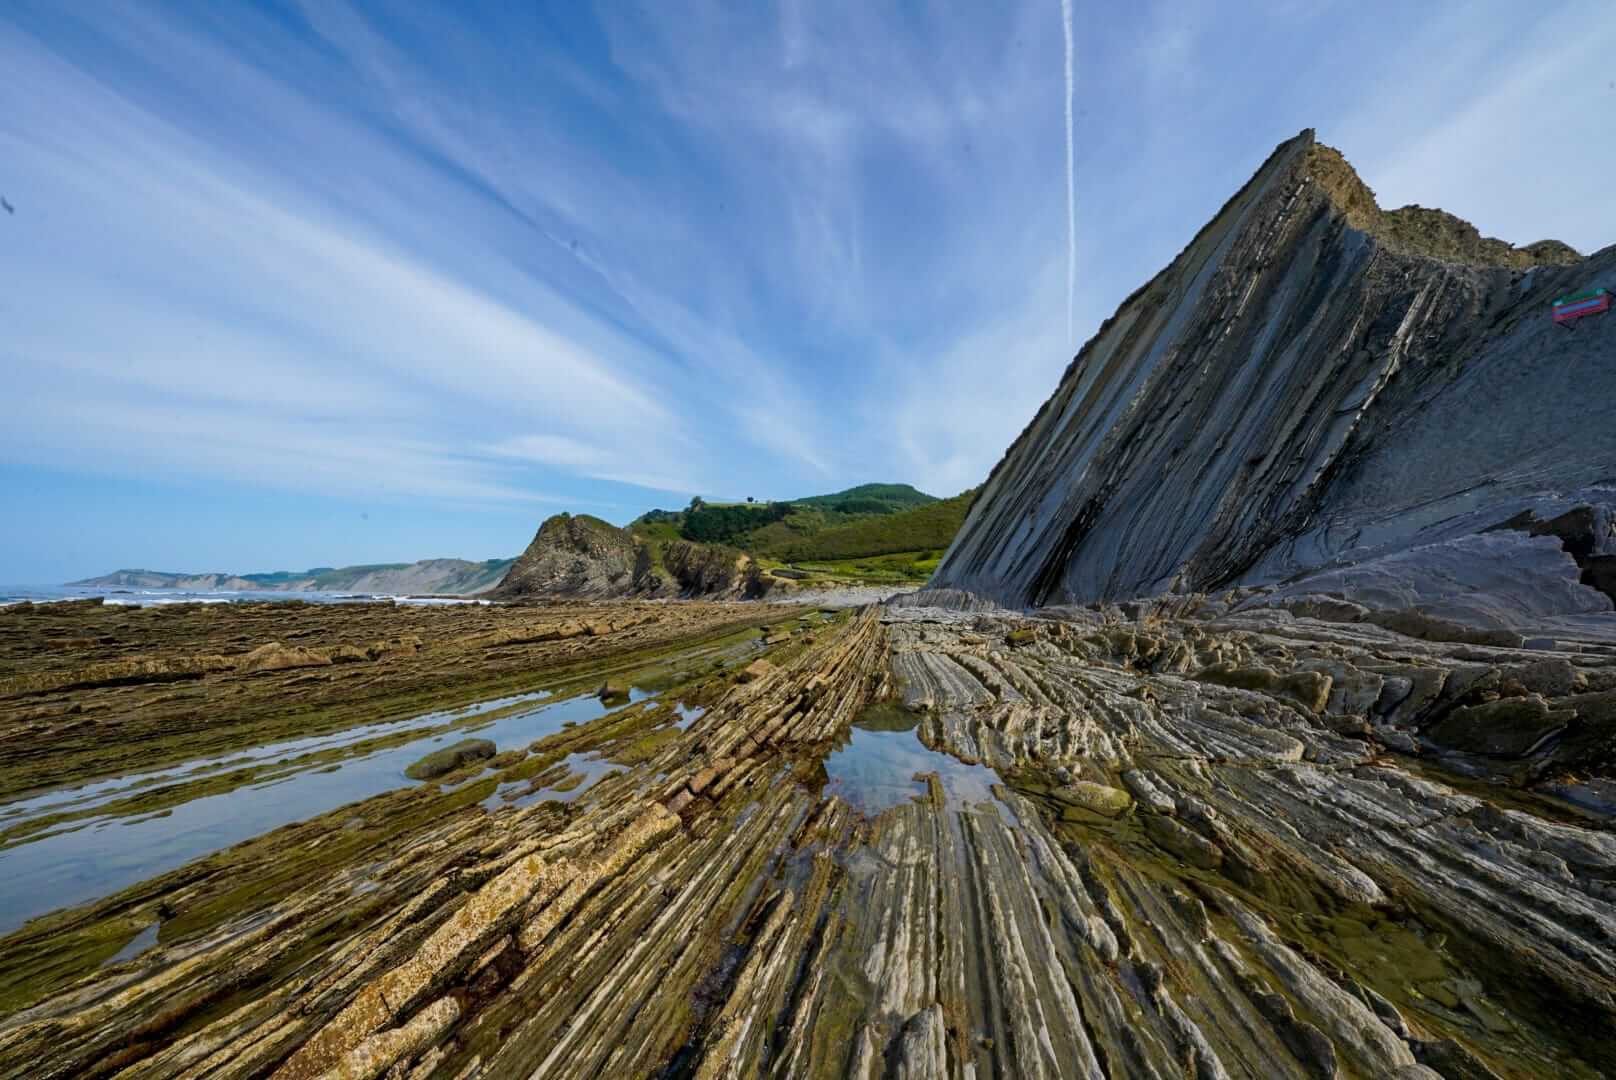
495, 254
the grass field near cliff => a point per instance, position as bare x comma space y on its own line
889, 532
924, 528
896, 567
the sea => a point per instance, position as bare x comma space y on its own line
46, 594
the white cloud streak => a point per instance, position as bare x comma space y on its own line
709, 249
1071, 183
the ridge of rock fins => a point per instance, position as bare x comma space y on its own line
1313, 385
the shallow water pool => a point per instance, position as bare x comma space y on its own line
86, 859
876, 769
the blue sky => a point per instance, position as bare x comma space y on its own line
291, 285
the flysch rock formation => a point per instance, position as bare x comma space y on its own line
1199, 860
1323, 395
1358, 823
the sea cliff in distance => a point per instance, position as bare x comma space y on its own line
458, 577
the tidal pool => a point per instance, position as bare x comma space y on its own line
687, 715
82, 797
876, 769
582, 770
87, 858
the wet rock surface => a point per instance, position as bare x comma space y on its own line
90, 690
450, 758
1173, 873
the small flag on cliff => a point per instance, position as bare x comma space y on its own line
1571, 308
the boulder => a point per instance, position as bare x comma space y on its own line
1097, 798
450, 758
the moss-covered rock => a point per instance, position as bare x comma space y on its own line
1189, 846
1310, 689
450, 758
1097, 798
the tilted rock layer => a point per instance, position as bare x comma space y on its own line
1315, 384
1201, 859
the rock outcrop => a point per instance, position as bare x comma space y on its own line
450, 758
1321, 394
573, 555
1186, 866
583, 557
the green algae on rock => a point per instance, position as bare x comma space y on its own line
450, 758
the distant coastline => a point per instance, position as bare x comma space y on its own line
442, 577
115, 597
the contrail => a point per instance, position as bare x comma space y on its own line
1071, 186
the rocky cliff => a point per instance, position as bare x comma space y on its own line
575, 555
1323, 394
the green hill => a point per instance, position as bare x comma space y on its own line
923, 528
769, 527
869, 499
873, 532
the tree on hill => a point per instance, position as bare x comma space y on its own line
727, 524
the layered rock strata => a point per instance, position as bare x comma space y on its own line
1204, 856
1353, 818
1317, 387
89, 690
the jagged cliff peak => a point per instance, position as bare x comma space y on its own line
1419, 230
1315, 384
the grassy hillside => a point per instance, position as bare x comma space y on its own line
930, 527
869, 499
771, 527
871, 533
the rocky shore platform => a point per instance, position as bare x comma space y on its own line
1157, 840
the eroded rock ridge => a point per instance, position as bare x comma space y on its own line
1318, 387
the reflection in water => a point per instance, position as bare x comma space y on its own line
100, 792
94, 857
876, 770
582, 770
137, 945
